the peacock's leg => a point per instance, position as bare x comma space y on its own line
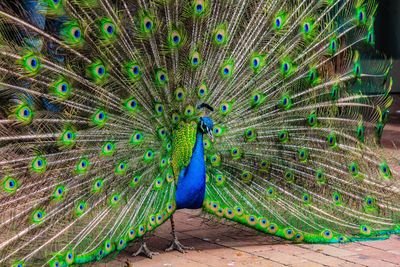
175, 244
144, 250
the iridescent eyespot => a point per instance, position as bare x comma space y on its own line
161, 77
270, 192
279, 21
69, 257
202, 91
67, 138
97, 185
320, 176
38, 216
286, 102
365, 230
114, 199
289, 176
238, 211
108, 149
76, 32
337, 198
108, 246
180, 94
195, 59
189, 111
306, 198
24, 113
331, 139
136, 138
147, 24
199, 7
283, 136
61, 89
333, 46
176, 38
385, 170
135, 180
99, 118
302, 155
360, 15
108, 29
272, 228
39, 164
215, 160
250, 134
289, 233
246, 177
72, 33
80, 208
82, 166
97, 72
220, 36
306, 27
148, 156
354, 169
33, 62
121, 168
225, 108
58, 192
133, 70
227, 69
10, 185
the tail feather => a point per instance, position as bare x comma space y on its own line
90, 105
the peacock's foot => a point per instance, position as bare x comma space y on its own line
176, 245
145, 251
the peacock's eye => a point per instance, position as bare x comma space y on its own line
33, 62
110, 29
149, 25
176, 39
100, 70
278, 22
285, 67
306, 27
256, 62
135, 70
76, 32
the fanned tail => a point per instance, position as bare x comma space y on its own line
84, 168
300, 121
91, 104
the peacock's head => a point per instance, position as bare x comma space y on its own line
206, 126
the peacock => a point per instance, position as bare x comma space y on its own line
116, 113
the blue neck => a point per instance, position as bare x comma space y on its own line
192, 180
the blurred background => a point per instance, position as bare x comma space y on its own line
387, 33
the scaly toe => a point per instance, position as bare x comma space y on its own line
176, 245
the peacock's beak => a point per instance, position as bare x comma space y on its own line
210, 135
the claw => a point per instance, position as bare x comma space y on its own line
145, 251
176, 245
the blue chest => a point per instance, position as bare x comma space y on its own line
191, 185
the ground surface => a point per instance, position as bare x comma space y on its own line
232, 245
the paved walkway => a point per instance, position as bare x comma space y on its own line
232, 245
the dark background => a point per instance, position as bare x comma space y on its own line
387, 33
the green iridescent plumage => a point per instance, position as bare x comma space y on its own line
101, 110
